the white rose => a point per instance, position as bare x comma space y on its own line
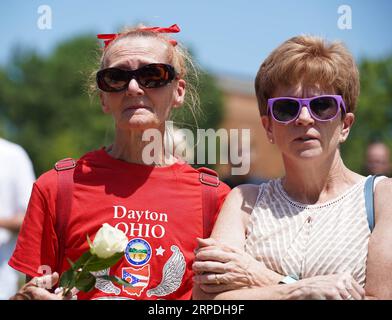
108, 241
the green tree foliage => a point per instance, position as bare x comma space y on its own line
45, 106
374, 111
210, 115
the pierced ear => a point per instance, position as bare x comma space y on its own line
104, 106
179, 93
267, 124
348, 121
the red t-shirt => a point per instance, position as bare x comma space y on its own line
159, 209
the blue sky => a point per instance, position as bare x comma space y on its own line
228, 37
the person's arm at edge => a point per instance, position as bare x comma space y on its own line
379, 261
23, 180
14, 223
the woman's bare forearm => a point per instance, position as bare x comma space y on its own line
275, 292
12, 224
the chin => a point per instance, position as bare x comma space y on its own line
306, 153
309, 154
140, 123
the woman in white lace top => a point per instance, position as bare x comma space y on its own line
306, 235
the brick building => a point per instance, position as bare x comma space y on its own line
241, 111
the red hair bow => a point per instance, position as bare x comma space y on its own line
109, 37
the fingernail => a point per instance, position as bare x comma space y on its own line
58, 290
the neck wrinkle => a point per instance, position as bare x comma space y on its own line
128, 146
317, 181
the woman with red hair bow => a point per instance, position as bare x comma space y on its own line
142, 78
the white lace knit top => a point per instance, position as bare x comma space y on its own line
301, 240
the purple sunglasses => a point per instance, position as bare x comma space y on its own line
321, 108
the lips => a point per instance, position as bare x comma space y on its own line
306, 138
136, 107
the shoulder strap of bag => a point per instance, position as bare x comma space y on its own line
209, 182
369, 200
65, 169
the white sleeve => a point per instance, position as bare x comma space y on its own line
24, 179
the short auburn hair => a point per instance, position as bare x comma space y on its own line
308, 60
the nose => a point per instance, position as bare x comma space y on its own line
304, 117
134, 88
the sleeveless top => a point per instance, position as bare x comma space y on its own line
303, 240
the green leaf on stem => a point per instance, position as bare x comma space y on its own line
85, 281
98, 264
81, 261
67, 279
116, 280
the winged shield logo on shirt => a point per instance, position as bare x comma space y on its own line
172, 274
105, 286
